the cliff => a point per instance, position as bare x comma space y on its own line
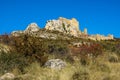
60, 28
64, 25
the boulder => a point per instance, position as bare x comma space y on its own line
7, 76
4, 48
55, 64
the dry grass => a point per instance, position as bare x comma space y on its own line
105, 67
35, 72
102, 69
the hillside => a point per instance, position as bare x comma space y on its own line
60, 51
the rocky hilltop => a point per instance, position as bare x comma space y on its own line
34, 30
66, 27
60, 47
33, 27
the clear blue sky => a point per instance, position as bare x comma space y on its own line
99, 16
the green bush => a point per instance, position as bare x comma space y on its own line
81, 76
10, 61
39, 48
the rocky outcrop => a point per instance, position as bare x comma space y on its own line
55, 64
79, 44
53, 29
42, 33
17, 33
33, 27
99, 37
85, 31
64, 25
49, 33
4, 48
7, 76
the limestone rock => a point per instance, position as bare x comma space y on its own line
77, 44
85, 31
55, 64
53, 29
4, 48
16, 33
64, 25
110, 36
7, 76
99, 37
33, 27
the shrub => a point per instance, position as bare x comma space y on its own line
113, 58
39, 48
117, 49
80, 76
85, 50
10, 61
31, 47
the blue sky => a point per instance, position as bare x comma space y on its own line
98, 16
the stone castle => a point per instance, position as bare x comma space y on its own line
66, 26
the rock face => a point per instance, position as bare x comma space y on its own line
99, 37
64, 25
7, 76
17, 33
54, 28
55, 64
33, 27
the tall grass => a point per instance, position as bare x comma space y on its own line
103, 62
102, 69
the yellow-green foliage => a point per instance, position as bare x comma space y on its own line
101, 70
30, 53
10, 61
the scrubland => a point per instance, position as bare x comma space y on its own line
93, 60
